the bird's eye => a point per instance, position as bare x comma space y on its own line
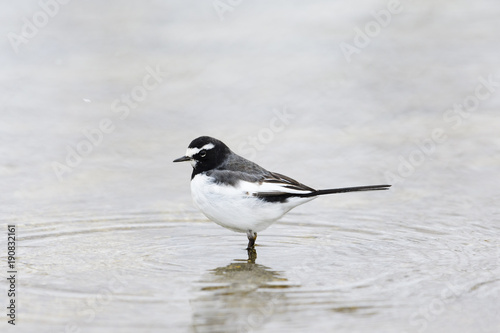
203, 153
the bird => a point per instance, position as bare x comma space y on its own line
242, 196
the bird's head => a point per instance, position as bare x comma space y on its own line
205, 153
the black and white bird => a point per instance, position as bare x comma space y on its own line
240, 195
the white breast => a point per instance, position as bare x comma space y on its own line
235, 207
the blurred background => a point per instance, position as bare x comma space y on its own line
97, 99
356, 104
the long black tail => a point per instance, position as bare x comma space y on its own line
347, 189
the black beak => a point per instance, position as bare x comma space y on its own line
183, 159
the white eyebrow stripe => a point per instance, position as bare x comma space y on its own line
190, 152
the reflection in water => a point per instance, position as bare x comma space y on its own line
239, 297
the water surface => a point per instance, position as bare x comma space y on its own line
115, 244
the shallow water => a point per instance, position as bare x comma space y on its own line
116, 244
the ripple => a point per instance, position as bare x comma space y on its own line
352, 268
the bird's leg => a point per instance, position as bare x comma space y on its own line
252, 236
